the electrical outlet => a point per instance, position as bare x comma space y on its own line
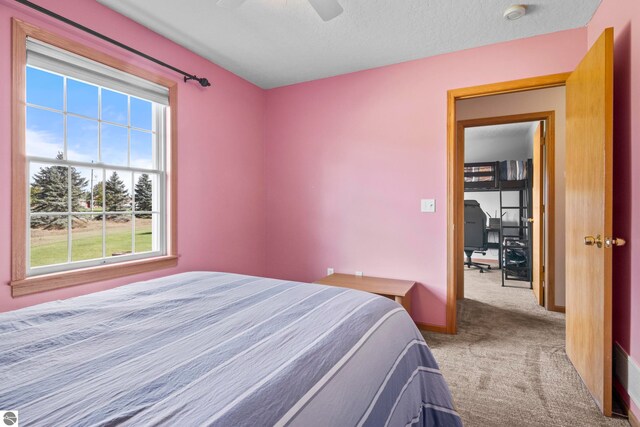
359, 273
329, 271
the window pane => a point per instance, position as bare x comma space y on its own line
86, 237
49, 240
114, 107
119, 232
95, 167
145, 192
114, 145
45, 89
146, 239
141, 149
82, 98
87, 198
44, 133
141, 114
48, 188
82, 139
118, 191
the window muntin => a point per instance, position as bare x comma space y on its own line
89, 142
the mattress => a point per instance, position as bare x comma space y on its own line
206, 348
513, 170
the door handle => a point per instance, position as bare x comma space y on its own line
530, 220
593, 241
609, 241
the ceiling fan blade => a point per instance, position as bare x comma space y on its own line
327, 9
230, 4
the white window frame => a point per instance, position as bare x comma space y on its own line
159, 149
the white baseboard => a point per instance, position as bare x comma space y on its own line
627, 371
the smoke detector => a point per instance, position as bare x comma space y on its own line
514, 12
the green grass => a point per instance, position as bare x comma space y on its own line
50, 247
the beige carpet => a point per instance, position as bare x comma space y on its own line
507, 365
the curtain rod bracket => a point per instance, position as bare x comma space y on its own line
202, 80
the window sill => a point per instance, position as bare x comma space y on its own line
48, 282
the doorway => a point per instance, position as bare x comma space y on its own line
588, 195
508, 179
455, 182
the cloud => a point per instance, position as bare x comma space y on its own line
142, 163
41, 143
112, 114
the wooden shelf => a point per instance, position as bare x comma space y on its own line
397, 289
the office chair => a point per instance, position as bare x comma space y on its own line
475, 234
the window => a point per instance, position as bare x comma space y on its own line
97, 159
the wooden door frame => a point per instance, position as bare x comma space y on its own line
455, 180
549, 117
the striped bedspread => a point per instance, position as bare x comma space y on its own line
202, 348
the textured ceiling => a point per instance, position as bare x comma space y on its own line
279, 42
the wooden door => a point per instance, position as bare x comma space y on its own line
537, 228
588, 218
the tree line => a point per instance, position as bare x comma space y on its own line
49, 193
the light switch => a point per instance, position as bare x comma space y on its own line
428, 205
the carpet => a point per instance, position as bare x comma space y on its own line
507, 365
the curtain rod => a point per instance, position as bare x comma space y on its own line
202, 80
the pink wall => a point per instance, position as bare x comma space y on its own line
220, 154
350, 157
623, 15
347, 159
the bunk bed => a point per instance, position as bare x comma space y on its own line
514, 240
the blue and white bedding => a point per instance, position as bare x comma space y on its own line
202, 348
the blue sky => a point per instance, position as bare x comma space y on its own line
45, 129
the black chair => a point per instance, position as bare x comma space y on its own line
475, 234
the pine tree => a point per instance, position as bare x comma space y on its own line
49, 193
117, 198
97, 197
143, 192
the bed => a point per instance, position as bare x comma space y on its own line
206, 348
493, 176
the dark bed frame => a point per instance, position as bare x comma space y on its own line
508, 244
